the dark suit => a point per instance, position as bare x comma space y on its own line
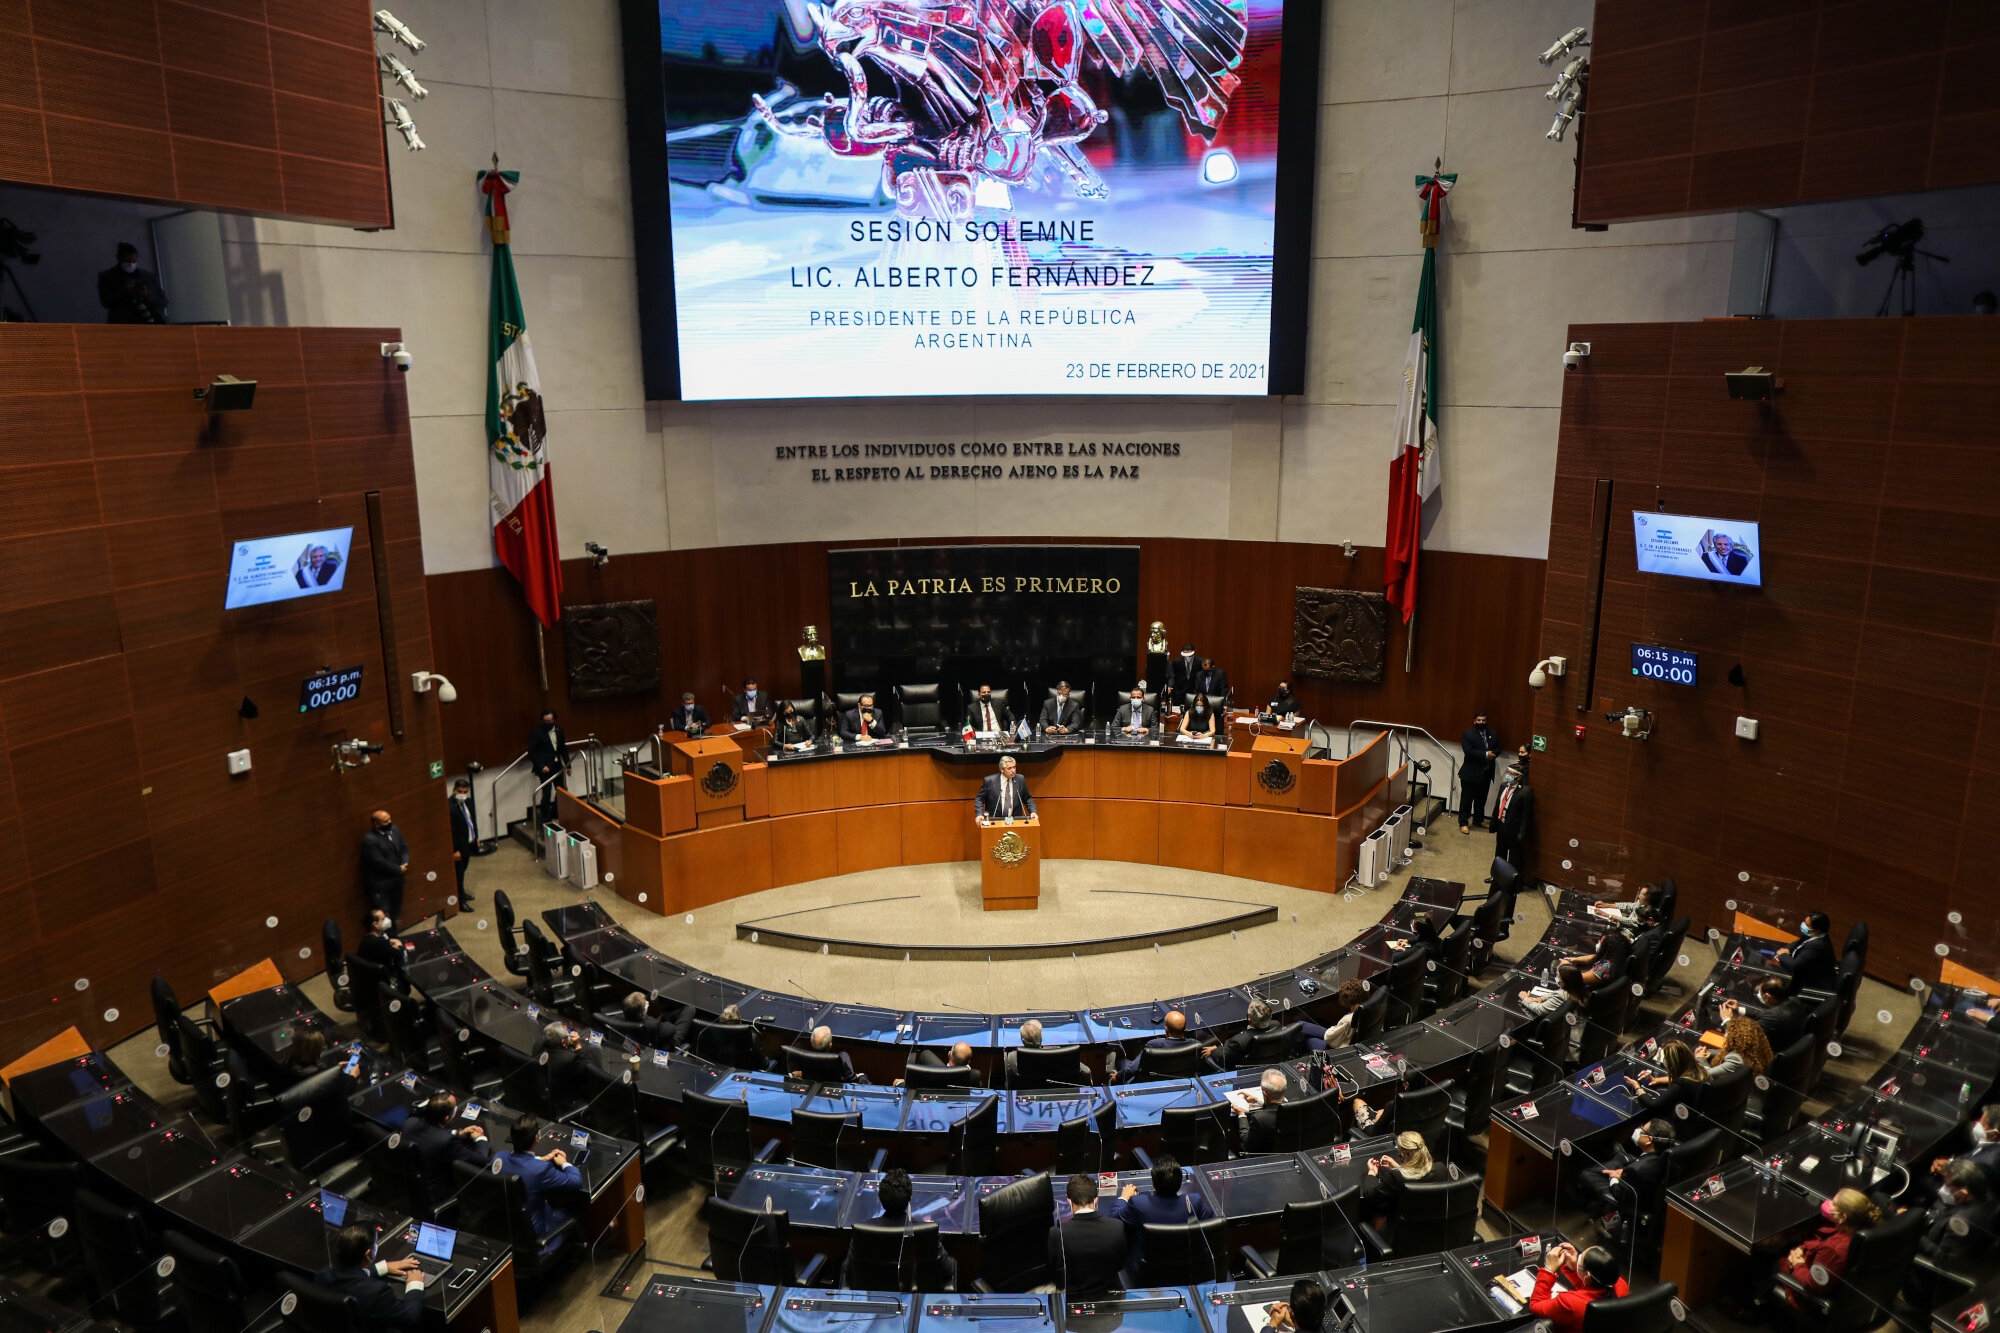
987, 802
1181, 674
437, 1148
851, 728
1213, 682
748, 704
1087, 1253
383, 951
1784, 1022
1283, 704
1129, 1068
1231, 1052
688, 717
383, 856
1632, 1195
464, 841
737, 1050
1957, 1238
381, 1303
936, 1061
1812, 965
1147, 1209
1476, 774
901, 1218
131, 298
1987, 1158
979, 709
309, 577
1067, 715
1260, 1129
540, 1179
792, 730
1514, 817
1148, 717
1736, 563
548, 755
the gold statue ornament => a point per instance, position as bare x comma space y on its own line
812, 650
1156, 642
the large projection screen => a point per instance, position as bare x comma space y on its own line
915, 198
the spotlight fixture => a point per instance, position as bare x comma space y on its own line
1562, 46
226, 393
402, 74
1561, 88
1752, 384
1571, 105
599, 557
400, 116
396, 28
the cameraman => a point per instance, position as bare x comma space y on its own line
130, 294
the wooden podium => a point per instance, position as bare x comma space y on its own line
716, 765
1010, 866
1276, 762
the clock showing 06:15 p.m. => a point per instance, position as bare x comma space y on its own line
329, 688
1672, 665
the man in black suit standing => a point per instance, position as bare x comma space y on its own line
1211, 680
1062, 714
548, 757
353, 1273
1812, 964
1004, 795
864, 719
1480, 744
1181, 674
464, 835
1514, 816
753, 702
1087, 1253
385, 859
690, 717
130, 294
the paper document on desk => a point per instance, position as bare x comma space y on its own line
1244, 1100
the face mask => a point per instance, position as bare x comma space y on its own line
1187, 657
132, 267
1507, 781
1805, 931
1827, 1211
1636, 1135
1138, 701
1980, 1134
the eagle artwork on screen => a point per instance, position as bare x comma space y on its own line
990, 93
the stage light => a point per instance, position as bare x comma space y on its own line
396, 28
408, 127
1562, 46
1558, 90
1563, 118
404, 75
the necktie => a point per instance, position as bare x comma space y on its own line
1006, 799
1505, 796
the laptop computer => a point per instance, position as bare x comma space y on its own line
434, 1248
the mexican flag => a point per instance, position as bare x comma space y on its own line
1414, 465
524, 507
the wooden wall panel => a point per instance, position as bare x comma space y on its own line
736, 611
117, 659
1868, 654
1730, 106
224, 106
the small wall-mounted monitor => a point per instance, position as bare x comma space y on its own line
277, 569
1719, 549
1654, 662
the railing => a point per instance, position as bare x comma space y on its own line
1400, 735
592, 767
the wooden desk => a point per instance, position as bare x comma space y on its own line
258, 976
716, 765
493, 1310
1276, 764
1697, 1260
1517, 1172
616, 1212
65, 1045
1010, 866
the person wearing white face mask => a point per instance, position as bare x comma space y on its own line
1183, 673
1985, 1152
130, 294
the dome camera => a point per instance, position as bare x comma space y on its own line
1548, 666
421, 682
400, 355
1573, 359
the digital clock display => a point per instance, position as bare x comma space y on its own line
333, 687
1669, 664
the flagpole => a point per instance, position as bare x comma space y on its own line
1428, 226
542, 657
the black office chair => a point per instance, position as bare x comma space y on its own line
1485, 931
1648, 1311
973, 1144
881, 1257
252, 1109
1541, 1050
315, 1121
1878, 1263
940, 1076
1272, 1045
716, 1133
1847, 991
121, 1253
1646, 948
820, 1066
34, 1193
1371, 1014
1692, 1156
368, 986
752, 1245
334, 953
1472, 1097
1667, 957
1014, 1224
613, 1108
1313, 1234
1308, 1122
167, 1017
1857, 942
549, 979
848, 701
1435, 1215
1603, 1022
1084, 1144
495, 1203
817, 1140
1820, 1027
1194, 1133
1726, 1099
412, 1032
201, 1057
1180, 1060
918, 707
1446, 985
1048, 1067
467, 1061
1182, 1255
1787, 1081
307, 1307
1425, 1111
211, 1291
1405, 984
513, 954
805, 708
734, 1045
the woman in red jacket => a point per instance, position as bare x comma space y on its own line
1817, 1262
1590, 1275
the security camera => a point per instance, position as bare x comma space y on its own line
399, 354
422, 681
1548, 666
396, 28
1573, 358
1562, 46
599, 557
1634, 723
403, 75
400, 115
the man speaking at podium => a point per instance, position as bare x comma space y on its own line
1004, 795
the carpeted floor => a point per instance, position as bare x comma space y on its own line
945, 906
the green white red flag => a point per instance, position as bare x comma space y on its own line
1415, 468
523, 501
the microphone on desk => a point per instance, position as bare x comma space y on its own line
803, 991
